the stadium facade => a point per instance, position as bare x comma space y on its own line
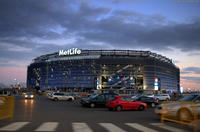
103, 69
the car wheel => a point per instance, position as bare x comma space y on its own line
92, 105
153, 105
55, 99
184, 115
167, 99
141, 108
118, 108
70, 99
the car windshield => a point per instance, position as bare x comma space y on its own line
130, 99
93, 96
29, 93
149, 94
136, 95
188, 98
113, 98
139, 97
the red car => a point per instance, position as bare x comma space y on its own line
125, 103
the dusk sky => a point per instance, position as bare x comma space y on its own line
30, 28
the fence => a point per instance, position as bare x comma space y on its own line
7, 107
185, 113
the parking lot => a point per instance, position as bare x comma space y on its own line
43, 114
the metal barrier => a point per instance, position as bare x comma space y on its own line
185, 113
7, 107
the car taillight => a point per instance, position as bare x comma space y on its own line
157, 100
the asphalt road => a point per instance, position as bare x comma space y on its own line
42, 114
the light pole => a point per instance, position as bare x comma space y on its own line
15, 82
15, 86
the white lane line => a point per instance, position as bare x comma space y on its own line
140, 127
169, 128
81, 127
14, 126
111, 127
48, 126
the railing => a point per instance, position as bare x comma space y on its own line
185, 113
7, 107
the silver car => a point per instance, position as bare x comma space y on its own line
162, 97
61, 96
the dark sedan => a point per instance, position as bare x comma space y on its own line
97, 100
148, 100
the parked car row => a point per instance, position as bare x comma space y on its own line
113, 102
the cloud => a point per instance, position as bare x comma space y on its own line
8, 65
136, 30
194, 79
185, 72
121, 1
194, 54
28, 28
195, 70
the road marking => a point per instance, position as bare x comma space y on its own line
169, 128
81, 127
140, 127
14, 126
111, 127
47, 126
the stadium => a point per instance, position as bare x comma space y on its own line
81, 70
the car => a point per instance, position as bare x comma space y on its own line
60, 96
97, 100
136, 95
90, 95
49, 94
150, 101
125, 103
162, 97
149, 95
75, 95
183, 109
29, 95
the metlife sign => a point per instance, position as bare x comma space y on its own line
73, 51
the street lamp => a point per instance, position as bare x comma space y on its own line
15, 82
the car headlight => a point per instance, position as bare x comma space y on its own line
26, 96
32, 96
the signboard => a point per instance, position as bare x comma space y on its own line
73, 51
156, 84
